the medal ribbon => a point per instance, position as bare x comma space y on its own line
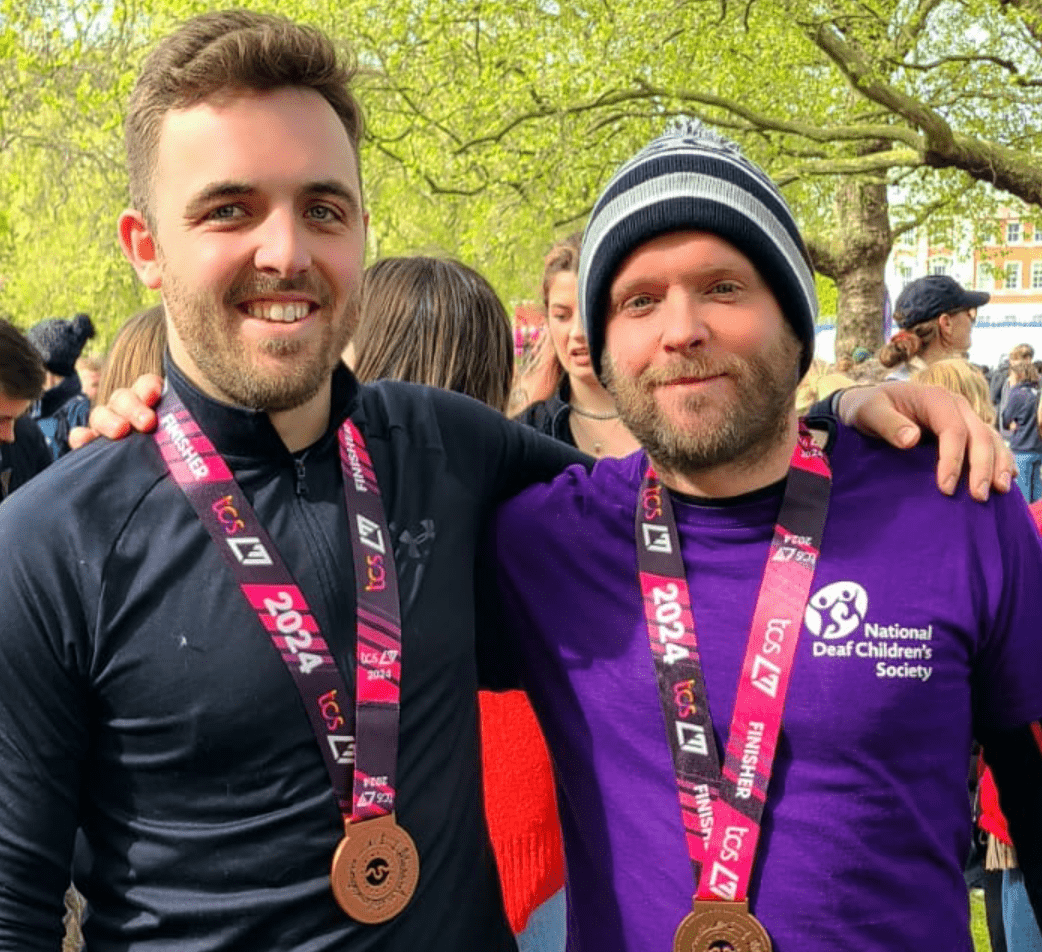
268, 586
722, 808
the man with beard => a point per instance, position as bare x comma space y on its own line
145, 583
658, 627
139, 701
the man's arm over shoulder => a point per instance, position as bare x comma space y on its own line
481, 443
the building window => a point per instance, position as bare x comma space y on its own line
1013, 232
1036, 275
904, 272
939, 266
1011, 276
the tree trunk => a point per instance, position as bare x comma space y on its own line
855, 260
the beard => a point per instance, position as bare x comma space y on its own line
706, 431
234, 365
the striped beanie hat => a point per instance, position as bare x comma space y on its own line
692, 179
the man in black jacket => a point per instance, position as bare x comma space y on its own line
23, 450
139, 701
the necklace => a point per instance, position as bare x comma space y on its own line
614, 415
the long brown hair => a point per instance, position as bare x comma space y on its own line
137, 349
906, 344
437, 322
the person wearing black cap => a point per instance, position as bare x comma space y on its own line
936, 315
63, 404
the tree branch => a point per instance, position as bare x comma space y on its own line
924, 212
873, 163
856, 66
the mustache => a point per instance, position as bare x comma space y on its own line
687, 367
259, 285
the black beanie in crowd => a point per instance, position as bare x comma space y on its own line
60, 342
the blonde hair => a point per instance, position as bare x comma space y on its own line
960, 376
820, 380
137, 349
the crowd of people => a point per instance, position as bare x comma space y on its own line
487, 718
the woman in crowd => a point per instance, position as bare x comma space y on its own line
581, 412
440, 323
1020, 424
935, 315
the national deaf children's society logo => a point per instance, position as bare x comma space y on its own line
837, 610
894, 650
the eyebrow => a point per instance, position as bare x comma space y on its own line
222, 190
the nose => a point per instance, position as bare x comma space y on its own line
576, 331
683, 326
282, 244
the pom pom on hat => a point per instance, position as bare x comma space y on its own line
61, 342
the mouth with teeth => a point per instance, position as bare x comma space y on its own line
278, 312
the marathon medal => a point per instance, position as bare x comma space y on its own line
734, 787
721, 927
376, 865
375, 870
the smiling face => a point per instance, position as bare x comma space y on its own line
257, 244
699, 357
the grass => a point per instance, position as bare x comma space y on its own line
981, 942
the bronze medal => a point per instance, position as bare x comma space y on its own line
375, 870
721, 927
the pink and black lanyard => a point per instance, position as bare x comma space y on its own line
283, 612
722, 809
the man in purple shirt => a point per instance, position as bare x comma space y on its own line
914, 632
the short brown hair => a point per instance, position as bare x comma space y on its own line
1022, 352
22, 373
138, 349
436, 322
216, 55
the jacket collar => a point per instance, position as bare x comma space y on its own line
242, 433
59, 395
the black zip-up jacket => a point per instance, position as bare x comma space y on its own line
551, 416
141, 702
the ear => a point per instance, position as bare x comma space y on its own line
944, 324
135, 237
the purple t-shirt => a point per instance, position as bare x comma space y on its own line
923, 624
